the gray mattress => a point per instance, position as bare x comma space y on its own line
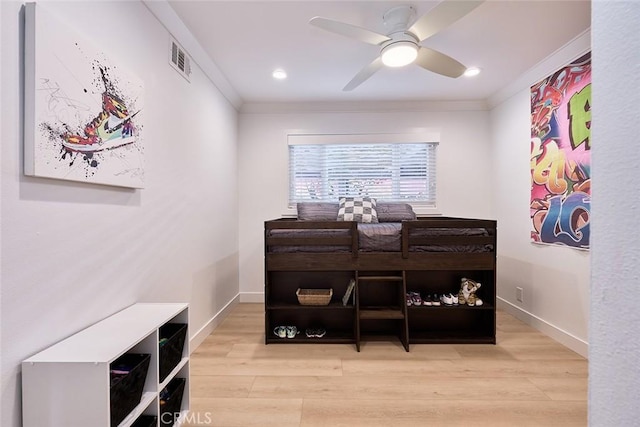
380, 237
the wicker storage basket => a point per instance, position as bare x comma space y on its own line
314, 296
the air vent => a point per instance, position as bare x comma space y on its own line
180, 60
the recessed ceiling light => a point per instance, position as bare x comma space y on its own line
472, 71
279, 74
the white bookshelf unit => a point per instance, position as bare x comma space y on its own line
68, 384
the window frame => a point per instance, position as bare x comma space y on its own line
429, 137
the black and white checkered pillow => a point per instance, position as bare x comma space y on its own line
359, 209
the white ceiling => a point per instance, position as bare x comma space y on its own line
247, 40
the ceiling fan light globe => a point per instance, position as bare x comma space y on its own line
399, 54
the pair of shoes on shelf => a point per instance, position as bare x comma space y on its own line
449, 299
431, 301
416, 299
286, 331
315, 333
413, 298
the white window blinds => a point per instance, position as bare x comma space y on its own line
386, 171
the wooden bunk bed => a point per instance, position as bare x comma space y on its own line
427, 255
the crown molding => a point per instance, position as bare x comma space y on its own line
361, 107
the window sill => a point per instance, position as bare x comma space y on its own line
419, 210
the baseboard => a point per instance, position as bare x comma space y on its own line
255, 297
563, 337
212, 324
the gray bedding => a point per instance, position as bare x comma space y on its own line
428, 232
381, 237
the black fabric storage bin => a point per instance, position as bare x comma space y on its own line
172, 336
146, 421
126, 389
171, 401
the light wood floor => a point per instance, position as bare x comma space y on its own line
527, 379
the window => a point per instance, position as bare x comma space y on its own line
322, 168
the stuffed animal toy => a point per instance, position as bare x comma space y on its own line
467, 294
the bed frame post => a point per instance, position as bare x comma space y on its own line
354, 239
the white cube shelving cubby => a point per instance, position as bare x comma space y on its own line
68, 384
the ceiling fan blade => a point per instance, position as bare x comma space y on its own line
441, 16
364, 74
349, 30
439, 63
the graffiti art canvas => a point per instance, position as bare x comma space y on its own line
561, 156
83, 111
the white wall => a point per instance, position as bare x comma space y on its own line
555, 279
75, 253
463, 176
614, 352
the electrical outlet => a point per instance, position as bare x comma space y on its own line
519, 294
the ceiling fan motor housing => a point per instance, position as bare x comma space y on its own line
397, 19
400, 37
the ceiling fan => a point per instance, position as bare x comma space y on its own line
401, 46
